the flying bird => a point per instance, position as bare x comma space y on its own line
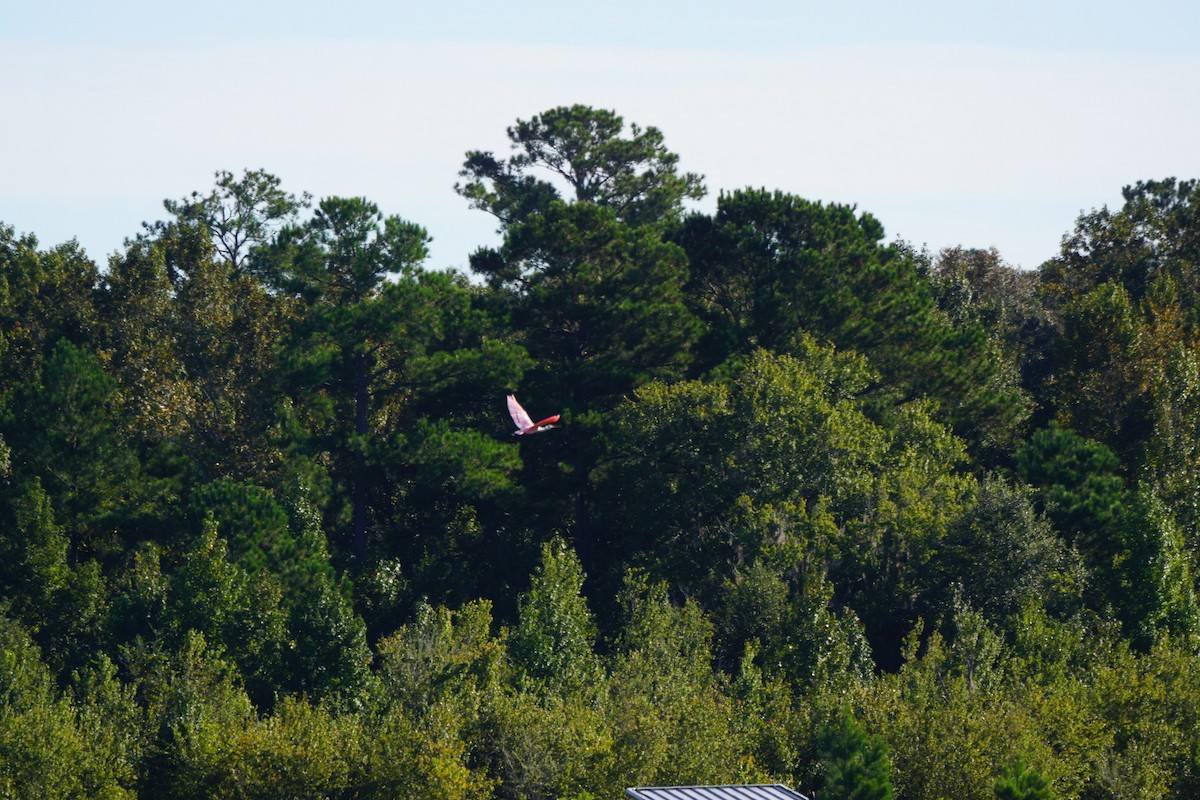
524, 422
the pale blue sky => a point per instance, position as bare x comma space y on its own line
985, 124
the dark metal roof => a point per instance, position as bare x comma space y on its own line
766, 791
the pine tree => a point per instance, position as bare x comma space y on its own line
1020, 782
856, 765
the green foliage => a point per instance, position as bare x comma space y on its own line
1079, 487
942, 736
588, 280
856, 765
1019, 782
264, 530
672, 722
1002, 556
755, 260
1102, 387
1151, 235
251, 521
975, 649
441, 675
549, 747
785, 613
1159, 591
47, 748
442, 484
554, 639
216, 598
230, 330
329, 659
769, 266
195, 707
976, 287
62, 600
1172, 458
1148, 704
308, 751
67, 437
1125, 284
404, 760
337, 264
581, 149
300, 751
601, 301
137, 335
382, 352
442, 656
35, 563
45, 296
241, 215
775, 434
778, 456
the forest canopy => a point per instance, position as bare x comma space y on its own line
821, 509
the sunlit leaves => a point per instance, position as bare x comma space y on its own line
240, 214
555, 636
769, 267
582, 150
45, 751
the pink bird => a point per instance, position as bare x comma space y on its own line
524, 422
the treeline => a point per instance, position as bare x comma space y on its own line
823, 509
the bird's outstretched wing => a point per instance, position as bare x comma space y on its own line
519, 416
524, 422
